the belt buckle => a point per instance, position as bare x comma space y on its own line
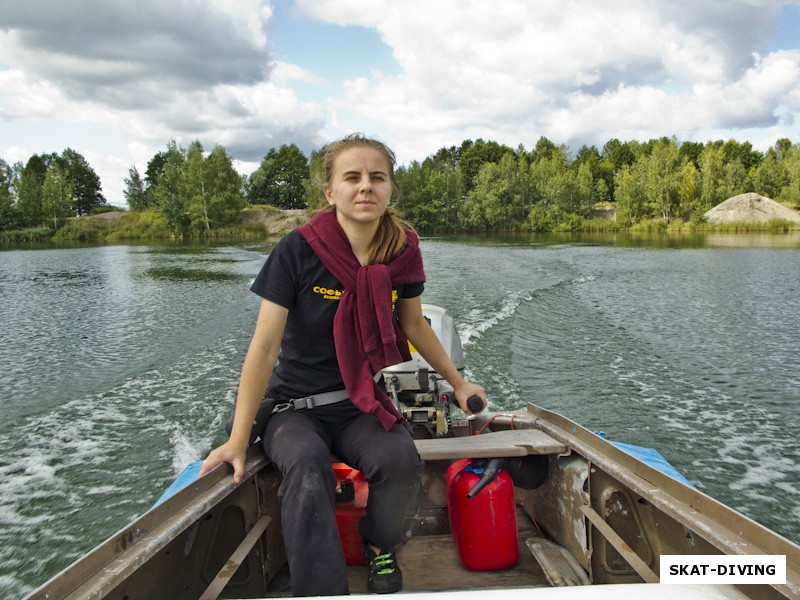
301, 403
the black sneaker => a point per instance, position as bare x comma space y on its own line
384, 575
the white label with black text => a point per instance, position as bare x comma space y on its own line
723, 569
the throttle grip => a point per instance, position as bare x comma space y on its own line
475, 404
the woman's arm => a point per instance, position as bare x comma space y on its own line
256, 371
423, 338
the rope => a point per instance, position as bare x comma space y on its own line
485, 425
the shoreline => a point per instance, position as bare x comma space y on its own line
119, 226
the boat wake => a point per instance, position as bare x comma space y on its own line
477, 321
80, 472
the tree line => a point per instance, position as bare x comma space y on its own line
47, 189
484, 185
192, 190
199, 192
477, 186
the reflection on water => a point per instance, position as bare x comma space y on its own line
754, 240
625, 239
182, 274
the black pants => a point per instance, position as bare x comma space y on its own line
300, 443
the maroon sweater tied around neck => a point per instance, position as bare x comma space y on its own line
366, 336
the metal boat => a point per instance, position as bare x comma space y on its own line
594, 523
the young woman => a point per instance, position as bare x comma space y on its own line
340, 301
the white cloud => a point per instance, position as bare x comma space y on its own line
576, 71
15, 154
26, 98
90, 47
752, 99
285, 73
154, 71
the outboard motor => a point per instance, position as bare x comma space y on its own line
419, 392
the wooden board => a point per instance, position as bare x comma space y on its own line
496, 444
430, 563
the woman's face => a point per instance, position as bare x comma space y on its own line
360, 185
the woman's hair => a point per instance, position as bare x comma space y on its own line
391, 236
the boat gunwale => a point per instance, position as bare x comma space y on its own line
130, 548
709, 518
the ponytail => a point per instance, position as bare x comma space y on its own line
390, 239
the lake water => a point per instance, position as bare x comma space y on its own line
120, 364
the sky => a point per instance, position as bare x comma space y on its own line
116, 81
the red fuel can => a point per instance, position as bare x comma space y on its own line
484, 527
349, 512
453, 470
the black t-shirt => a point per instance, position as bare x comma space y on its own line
295, 278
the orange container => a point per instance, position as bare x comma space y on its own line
348, 514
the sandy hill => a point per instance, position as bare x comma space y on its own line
751, 208
275, 222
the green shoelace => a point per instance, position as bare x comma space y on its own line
382, 561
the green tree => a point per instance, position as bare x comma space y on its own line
135, 191
211, 189
501, 195
28, 190
630, 192
7, 212
688, 194
770, 176
736, 178
155, 168
712, 175
431, 193
782, 147
280, 179
561, 195
743, 153
790, 192
169, 193
196, 187
450, 156
691, 151
546, 149
473, 155
614, 157
219, 199
662, 172
57, 191
192, 191
86, 188
587, 155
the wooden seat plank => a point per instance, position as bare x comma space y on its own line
496, 444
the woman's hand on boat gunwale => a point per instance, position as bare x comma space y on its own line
230, 452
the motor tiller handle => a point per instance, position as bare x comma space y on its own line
446, 394
475, 404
